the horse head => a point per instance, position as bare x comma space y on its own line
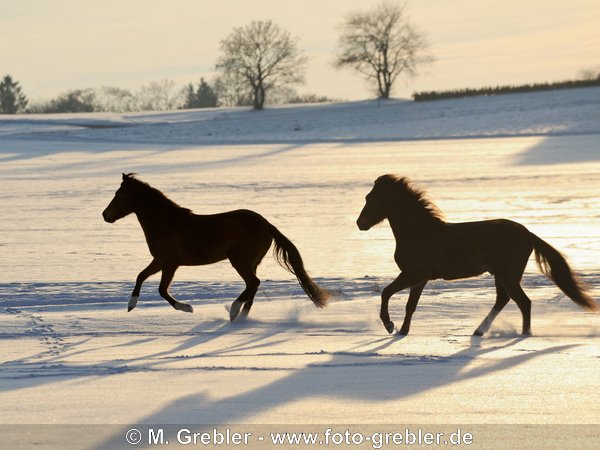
375, 209
122, 204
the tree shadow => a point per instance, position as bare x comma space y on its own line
131, 157
569, 149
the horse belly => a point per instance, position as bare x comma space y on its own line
465, 261
462, 272
203, 254
189, 251
195, 260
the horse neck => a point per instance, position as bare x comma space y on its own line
410, 227
149, 214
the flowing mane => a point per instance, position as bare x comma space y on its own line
414, 198
150, 196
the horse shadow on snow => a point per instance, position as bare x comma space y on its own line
388, 377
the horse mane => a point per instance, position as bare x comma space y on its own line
401, 188
151, 196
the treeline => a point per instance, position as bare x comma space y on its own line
162, 95
156, 96
499, 90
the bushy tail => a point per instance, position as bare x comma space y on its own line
288, 256
554, 266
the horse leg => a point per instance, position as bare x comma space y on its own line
515, 291
152, 268
502, 299
400, 283
245, 260
163, 290
411, 306
245, 299
246, 309
248, 272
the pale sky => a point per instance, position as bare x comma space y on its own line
52, 46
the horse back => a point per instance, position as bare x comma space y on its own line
467, 249
206, 239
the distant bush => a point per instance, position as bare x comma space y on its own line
499, 90
159, 95
310, 98
79, 100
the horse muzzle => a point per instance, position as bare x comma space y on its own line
362, 225
108, 218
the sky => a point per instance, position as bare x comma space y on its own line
52, 46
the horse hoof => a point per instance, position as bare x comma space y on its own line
478, 333
403, 332
242, 316
132, 302
234, 310
185, 307
390, 327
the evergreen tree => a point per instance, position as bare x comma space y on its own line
191, 98
206, 96
12, 99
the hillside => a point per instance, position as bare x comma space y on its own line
574, 111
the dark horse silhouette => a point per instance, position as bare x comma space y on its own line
177, 237
428, 248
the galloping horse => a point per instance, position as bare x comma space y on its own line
177, 237
428, 248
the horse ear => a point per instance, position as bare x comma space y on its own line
385, 179
127, 177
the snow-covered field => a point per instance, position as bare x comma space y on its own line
72, 355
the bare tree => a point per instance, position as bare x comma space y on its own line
114, 99
263, 56
159, 95
232, 90
381, 44
589, 73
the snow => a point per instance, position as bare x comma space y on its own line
71, 354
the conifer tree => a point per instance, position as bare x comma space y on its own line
12, 98
206, 96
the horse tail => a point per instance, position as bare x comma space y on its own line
555, 267
288, 256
